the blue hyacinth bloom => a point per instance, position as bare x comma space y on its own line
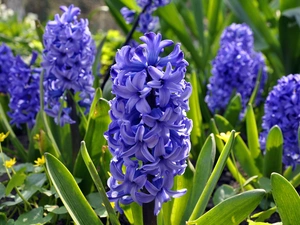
147, 22
149, 133
235, 69
24, 91
282, 108
67, 59
6, 61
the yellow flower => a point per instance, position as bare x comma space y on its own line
40, 161
225, 137
10, 163
36, 137
3, 136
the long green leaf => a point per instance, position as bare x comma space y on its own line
212, 181
233, 110
249, 13
203, 170
231, 166
97, 181
233, 210
184, 181
252, 137
114, 8
289, 35
171, 16
69, 192
197, 9
240, 149
286, 199
12, 136
273, 156
94, 139
197, 134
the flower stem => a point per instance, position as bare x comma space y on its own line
128, 38
75, 133
148, 214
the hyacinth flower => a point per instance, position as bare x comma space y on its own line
24, 91
282, 108
146, 22
67, 59
6, 61
149, 133
235, 69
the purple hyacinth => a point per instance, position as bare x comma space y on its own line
235, 69
24, 91
6, 61
147, 22
149, 133
67, 58
282, 108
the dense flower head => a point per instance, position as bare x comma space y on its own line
24, 91
147, 22
149, 133
6, 61
67, 58
235, 69
282, 108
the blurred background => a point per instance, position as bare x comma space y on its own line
95, 10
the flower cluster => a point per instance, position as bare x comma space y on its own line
235, 69
147, 22
6, 61
24, 91
149, 133
67, 58
282, 108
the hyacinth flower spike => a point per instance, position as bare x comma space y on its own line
282, 108
6, 62
24, 92
235, 69
67, 59
149, 133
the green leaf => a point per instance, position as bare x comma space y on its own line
137, 213
97, 62
233, 210
264, 215
96, 202
231, 166
273, 155
17, 180
203, 170
55, 209
197, 9
240, 149
97, 181
286, 199
233, 110
114, 8
2, 190
222, 193
185, 181
197, 133
247, 12
69, 192
170, 15
289, 35
12, 136
35, 216
212, 181
252, 137
98, 122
